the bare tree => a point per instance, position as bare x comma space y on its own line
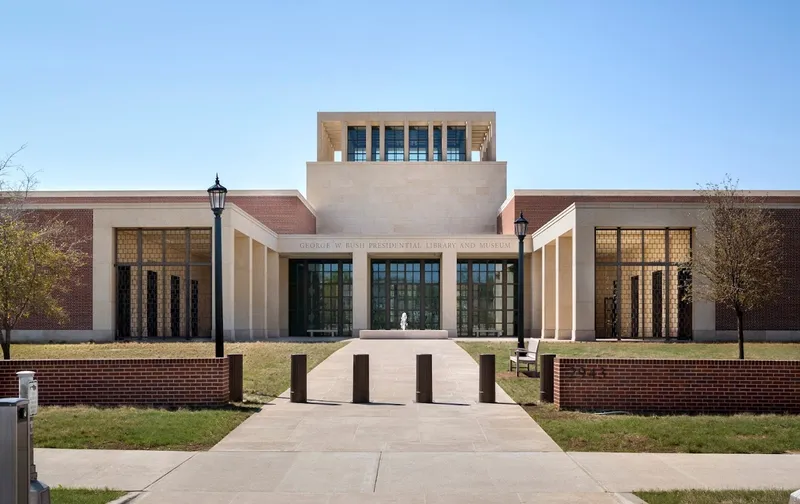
741, 256
38, 254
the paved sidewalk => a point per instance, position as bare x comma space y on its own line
395, 450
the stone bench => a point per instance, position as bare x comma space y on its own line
330, 332
497, 332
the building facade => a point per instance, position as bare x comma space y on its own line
403, 213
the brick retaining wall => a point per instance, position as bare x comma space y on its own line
677, 386
134, 382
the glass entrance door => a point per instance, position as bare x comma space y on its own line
405, 286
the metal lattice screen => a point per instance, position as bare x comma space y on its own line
163, 283
641, 284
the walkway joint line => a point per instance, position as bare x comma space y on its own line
587, 472
377, 470
170, 471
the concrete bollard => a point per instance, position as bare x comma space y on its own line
486, 379
236, 377
361, 378
546, 377
424, 378
299, 379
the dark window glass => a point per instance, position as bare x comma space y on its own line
485, 297
456, 143
417, 143
376, 143
405, 286
320, 296
356, 143
437, 143
394, 144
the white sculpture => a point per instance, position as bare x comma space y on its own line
403, 319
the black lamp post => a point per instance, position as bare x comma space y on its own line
521, 230
216, 196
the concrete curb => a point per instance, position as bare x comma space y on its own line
127, 498
794, 498
628, 498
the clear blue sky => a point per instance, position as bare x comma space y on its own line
600, 94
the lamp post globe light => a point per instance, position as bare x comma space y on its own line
521, 230
216, 196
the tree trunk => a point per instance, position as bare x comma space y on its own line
5, 342
740, 330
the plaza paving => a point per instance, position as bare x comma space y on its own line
395, 450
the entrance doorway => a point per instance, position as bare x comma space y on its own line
405, 286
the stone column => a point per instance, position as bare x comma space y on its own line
444, 140
406, 156
448, 293
228, 277
368, 140
243, 288
564, 287
284, 296
382, 140
361, 276
468, 140
536, 301
549, 290
273, 294
259, 319
704, 313
493, 142
430, 140
583, 281
344, 141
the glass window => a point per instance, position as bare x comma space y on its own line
456, 143
394, 144
320, 296
356, 143
437, 143
417, 143
376, 143
163, 283
412, 287
640, 286
486, 297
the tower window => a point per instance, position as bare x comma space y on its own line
356, 143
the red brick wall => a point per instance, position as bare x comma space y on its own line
282, 214
540, 209
783, 313
167, 382
506, 218
78, 304
677, 386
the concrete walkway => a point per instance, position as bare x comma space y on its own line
394, 450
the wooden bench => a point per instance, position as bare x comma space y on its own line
530, 357
331, 332
496, 332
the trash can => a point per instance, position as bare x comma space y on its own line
15, 466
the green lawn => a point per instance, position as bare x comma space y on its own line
576, 431
136, 428
82, 496
266, 375
716, 497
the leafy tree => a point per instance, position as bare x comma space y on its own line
38, 256
740, 259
